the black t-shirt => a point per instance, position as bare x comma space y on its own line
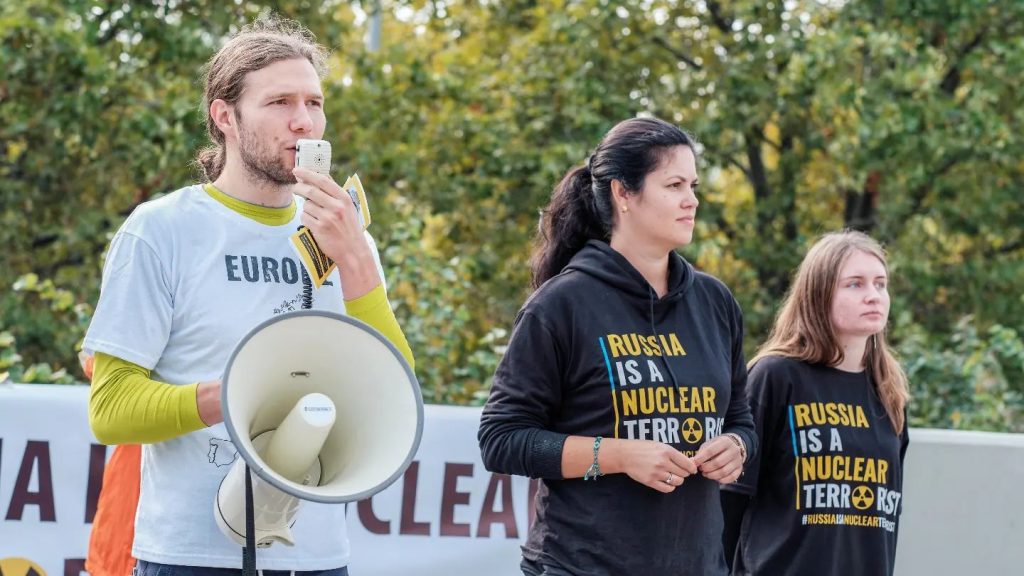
827, 485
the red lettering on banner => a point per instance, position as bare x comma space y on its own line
370, 521
97, 462
409, 526
489, 516
498, 506
37, 457
451, 497
74, 566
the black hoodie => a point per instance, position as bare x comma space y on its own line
594, 352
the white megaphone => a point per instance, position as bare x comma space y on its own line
320, 407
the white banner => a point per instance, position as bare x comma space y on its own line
448, 515
446, 512
50, 474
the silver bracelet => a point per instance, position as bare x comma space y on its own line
595, 470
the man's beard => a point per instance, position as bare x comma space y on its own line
263, 164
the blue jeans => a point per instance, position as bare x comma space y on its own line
143, 568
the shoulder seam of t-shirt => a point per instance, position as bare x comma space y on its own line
145, 242
153, 251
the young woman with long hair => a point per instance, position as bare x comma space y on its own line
829, 402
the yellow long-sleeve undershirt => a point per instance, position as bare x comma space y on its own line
127, 406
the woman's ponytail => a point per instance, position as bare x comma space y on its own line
569, 221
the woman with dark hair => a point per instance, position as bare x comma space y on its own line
623, 386
829, 401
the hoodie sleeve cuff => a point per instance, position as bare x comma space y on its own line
546, 454
749, 442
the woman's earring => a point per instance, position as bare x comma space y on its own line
625, 208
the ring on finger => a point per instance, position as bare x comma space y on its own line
669, 480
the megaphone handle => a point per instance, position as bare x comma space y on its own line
249, 552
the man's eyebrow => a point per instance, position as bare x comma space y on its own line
277, 95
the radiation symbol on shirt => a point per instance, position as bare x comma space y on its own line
692, 430
862, 497
20, 567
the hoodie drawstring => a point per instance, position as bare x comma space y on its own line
664, 361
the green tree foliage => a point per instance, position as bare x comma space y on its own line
892, 117
99, 111
966, 379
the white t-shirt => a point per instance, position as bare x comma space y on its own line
185, 279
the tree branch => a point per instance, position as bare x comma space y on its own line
1008, 248
951, 80
721, 21
757, 174
861, 205
788, 177
730, 159
679, 55
918, 194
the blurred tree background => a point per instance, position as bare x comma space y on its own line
896, 118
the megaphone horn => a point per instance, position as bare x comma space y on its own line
320, 407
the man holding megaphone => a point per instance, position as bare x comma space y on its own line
195, 288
